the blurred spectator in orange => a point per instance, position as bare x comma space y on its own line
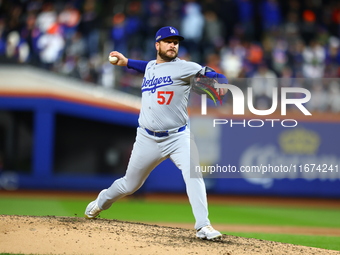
51, 45
308, 27
335, 17
47, 17
254, 53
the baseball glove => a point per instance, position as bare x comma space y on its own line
201, 84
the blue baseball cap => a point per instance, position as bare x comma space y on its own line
166, 32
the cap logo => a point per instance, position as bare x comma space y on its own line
172, 30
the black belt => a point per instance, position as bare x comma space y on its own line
164, 133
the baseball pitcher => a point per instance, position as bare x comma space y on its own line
163, 132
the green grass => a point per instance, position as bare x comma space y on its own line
325, 242
41, 207
21, 254
140, 210
280, 216
10, 254
250, 215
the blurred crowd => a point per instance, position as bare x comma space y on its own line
274, 40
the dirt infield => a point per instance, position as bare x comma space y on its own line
70, 235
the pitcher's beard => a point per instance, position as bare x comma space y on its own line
165, 57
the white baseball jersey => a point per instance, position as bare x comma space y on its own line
165, 94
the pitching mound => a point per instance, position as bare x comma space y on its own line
71, 235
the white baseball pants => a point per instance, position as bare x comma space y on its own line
149, 151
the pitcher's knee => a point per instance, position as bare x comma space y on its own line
131, 190
128, 187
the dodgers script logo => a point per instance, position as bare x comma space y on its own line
155, 83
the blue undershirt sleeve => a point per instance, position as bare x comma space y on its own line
220, 77
138, 65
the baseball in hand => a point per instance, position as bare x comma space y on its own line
113, 60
